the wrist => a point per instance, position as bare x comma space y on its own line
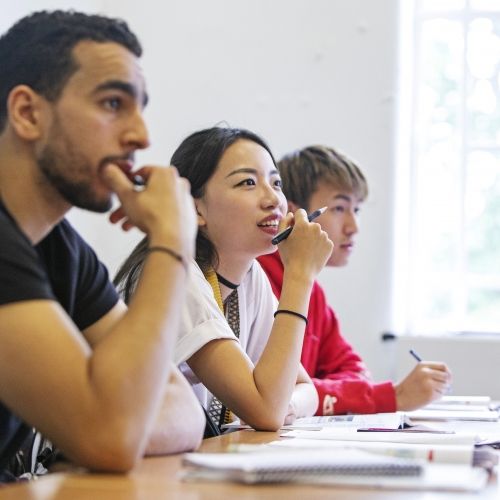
169, 252
291, 313
172, 240
399, 397
297, 279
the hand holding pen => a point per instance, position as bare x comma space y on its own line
427, 382
284, 234
307, 247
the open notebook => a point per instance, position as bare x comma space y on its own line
387, 420
280, 467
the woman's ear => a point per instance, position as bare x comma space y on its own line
25, 110
199, 212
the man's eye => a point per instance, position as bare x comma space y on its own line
113, 103
338, 208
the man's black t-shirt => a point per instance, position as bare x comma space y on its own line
63, 268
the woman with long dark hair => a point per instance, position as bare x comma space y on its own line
237, 346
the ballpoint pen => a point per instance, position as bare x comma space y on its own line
138, 180
415, 355
284, 234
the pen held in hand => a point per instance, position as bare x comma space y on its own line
284, 234
415, 355
137, 180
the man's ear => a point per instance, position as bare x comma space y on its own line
292, 207
24, 108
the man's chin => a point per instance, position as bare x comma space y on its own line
335, 262
99, 206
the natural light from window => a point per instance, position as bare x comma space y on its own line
448, 199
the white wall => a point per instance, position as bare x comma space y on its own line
474, 360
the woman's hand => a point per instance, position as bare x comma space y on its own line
308, 247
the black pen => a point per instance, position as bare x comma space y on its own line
137, 180
415, 355
284, 234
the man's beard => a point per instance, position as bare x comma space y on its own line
70, 173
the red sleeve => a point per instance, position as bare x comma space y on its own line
337, 371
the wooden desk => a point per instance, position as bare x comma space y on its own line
157, 478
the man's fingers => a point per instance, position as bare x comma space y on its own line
117, 215
439, 375
115, 179
435, 365
127, 225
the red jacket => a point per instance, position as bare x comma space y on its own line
329, 360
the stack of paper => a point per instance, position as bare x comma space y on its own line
464, 454
438, 453
333, 468
384, 437
461, 403
473, 408
376, 451
482, 401
453, 414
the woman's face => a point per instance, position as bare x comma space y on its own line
243, 202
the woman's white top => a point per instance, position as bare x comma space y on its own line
202, 320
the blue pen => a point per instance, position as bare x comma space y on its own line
415, 355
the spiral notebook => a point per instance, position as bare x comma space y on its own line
284, 467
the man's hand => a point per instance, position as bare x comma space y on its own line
163, 209
427, 382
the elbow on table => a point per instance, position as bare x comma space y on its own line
107, 451
182, 435
267, 423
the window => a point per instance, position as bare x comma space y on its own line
447, 273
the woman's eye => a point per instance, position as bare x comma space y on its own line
278, 183
357, 210
246, 182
